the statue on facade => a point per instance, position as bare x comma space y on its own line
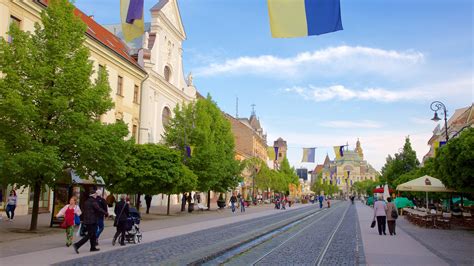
190, 79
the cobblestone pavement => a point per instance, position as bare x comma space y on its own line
191, 247
313, 241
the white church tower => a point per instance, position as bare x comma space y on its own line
162, 57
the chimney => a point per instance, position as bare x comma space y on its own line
91, 16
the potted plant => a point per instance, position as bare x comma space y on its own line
221, 201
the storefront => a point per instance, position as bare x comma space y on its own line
73, 185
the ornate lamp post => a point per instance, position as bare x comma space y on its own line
439, 106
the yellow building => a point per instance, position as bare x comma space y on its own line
250, 142
106, 50
348, 169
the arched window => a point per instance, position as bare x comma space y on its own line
166, 116
167, 73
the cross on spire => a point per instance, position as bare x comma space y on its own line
253, 108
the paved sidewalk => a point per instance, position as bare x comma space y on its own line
152, 231
403, 249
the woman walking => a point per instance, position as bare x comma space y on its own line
380, 209
121, 218
68, 212
233, 200
391, 220
11, 205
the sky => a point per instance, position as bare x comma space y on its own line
373, 81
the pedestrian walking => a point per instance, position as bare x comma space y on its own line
183, 202
380, 209
392, 215
90, 215
198, 197
233, 200
11, 205
321, 199
121, 217
100, 221
242, 205
283, 202
238, 200
69, 212
328, 201
148, 203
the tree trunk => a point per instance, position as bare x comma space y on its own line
208, 199
137, 203
34, 213
168, 207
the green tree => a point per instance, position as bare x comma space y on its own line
454, 163
288, 173
49, 107
401, 163
365, 187
203, 127
153, 169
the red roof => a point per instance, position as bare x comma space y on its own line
319, 168
105, 37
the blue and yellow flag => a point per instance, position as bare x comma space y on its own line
131, 14
308, 155
437, 145
297, 18
339, 151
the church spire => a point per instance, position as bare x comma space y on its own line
358, 149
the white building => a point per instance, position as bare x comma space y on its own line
160, 52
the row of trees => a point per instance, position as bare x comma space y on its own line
271, 179
320, 186
453, 164
49, 122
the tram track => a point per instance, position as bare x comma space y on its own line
277, 246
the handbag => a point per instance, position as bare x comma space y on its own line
372, 225
117, 217
394, 214
83, 230
77, 219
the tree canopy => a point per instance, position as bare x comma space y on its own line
454, 162
202, 127
401, 163
49, 107
154, 169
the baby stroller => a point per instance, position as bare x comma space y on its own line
132, 233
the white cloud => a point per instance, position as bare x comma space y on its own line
339, 92
331, 60
351, 124
458, 89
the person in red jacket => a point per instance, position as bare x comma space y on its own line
68, 212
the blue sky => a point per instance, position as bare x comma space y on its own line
374, 80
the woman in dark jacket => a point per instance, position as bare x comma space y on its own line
121, 211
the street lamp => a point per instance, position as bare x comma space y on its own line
439, 106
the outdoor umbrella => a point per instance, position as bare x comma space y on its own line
402, 202
424, 184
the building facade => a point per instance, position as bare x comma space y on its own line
346, 170
106, 50
250, 142
461, 119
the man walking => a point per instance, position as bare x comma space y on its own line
90, 214
242, 205
100, 221
148, 203
233, 199
183, 202
321, 199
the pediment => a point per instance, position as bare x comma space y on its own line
170, 10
